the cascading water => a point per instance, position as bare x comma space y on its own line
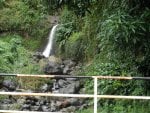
49, 48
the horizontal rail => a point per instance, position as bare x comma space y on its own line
47, 94
69, 76
122, 78
124, 97
44, 76
75, 95
13, 111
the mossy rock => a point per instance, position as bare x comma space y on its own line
43, 62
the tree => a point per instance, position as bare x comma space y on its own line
80, 7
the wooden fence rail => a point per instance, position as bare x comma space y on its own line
95, 96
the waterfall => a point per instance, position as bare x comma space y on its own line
49, 48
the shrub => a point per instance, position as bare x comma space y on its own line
14, 57
18, 16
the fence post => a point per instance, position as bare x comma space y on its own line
95, 94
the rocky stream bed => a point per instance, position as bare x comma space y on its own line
55, 66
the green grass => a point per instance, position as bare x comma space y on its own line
89, 110
120, 106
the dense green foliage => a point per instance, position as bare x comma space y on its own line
25, 17
110, 37
23, 24
14, 57
79, 7
119, 36
120, 106
113, 40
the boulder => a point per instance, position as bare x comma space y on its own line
45, 108
7, 101
70, 109
46, 88
53, 68
67, 70
53, 106
62, 83
51, 65
54, 65
35, 108
37, 56
21, 101
68, 66
26, 107
10, 85
69, 63
73, 101
70, 89
67, 86
5, 106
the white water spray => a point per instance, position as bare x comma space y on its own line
48, 50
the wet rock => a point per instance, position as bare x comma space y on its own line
26, 107
45, 88
4, 106
53, 68
37, 103
25, 110
67, 86
63, 104
14, 106
10, 85
42, 102
7, 101
67, 70
68, 109
55, 91
62, 83
37, 56
27, 101
53, 106
45, 108
54, 65
31, 98
77, 86
35, 108
58, 105
68, 66
73, 101
69, 63
69, 89
62, 66
51, 65
3, 89
32, 102
21, 101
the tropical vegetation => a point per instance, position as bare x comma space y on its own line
109, 37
